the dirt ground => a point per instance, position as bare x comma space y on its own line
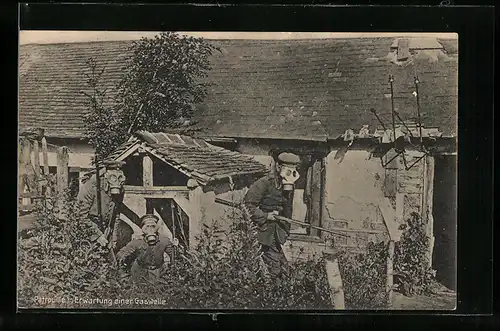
441, 301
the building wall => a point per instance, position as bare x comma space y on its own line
80, 153
354, 189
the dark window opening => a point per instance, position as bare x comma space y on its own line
174, 217
133, 171
165, 175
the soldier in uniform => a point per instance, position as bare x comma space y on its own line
267, 198
111, 198
146, 255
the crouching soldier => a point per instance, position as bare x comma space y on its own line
146, 254
268, 197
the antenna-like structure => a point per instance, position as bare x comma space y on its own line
394, 115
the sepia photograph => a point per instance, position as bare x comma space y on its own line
237, 170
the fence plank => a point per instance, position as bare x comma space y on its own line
62, 169
45, 156
36, 159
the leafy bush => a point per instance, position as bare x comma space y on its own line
224, 271
412, 271
364, 277
56, 261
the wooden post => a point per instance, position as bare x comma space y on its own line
335, 283
36, 159
62, 169
45, 156
62, 180
147, 171
429, 197
147, 179
390, 272
195, 214
315, 197
391, 161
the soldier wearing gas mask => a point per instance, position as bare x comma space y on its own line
111, 180
269, 196
146, 254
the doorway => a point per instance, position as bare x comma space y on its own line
445, 220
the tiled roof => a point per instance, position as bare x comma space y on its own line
195, 157
299, 89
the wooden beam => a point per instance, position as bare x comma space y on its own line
128, 152
45, 157
195, 215
36, 159
155, 190
428, 203
315, 197
156, 195
335, 283
147, 171
390, 216
62, 169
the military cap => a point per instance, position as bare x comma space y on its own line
288, 158
149, 217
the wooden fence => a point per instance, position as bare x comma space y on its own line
35, 182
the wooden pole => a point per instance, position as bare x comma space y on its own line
390, 273
147, 180
62, 169
335, 283
36, 159
45, 157
147, 171
195, 214
429, 219
62, 180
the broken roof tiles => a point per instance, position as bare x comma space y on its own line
195, 157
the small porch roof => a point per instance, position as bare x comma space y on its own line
194, 157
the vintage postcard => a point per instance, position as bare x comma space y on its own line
229, 170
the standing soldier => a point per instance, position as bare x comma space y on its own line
111, 196
270, 196
146, 254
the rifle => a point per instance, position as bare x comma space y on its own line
107, 231
281, 218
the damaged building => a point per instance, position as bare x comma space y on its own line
373, 119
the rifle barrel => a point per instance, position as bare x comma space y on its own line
286, 219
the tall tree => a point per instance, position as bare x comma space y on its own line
164, 81
162, 85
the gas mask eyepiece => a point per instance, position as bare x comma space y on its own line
115, 178
288, 163
289, 176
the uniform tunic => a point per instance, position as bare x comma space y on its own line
147, 260
87, 205
263, 197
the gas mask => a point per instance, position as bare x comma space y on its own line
289, 176
115, 178
150, 232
